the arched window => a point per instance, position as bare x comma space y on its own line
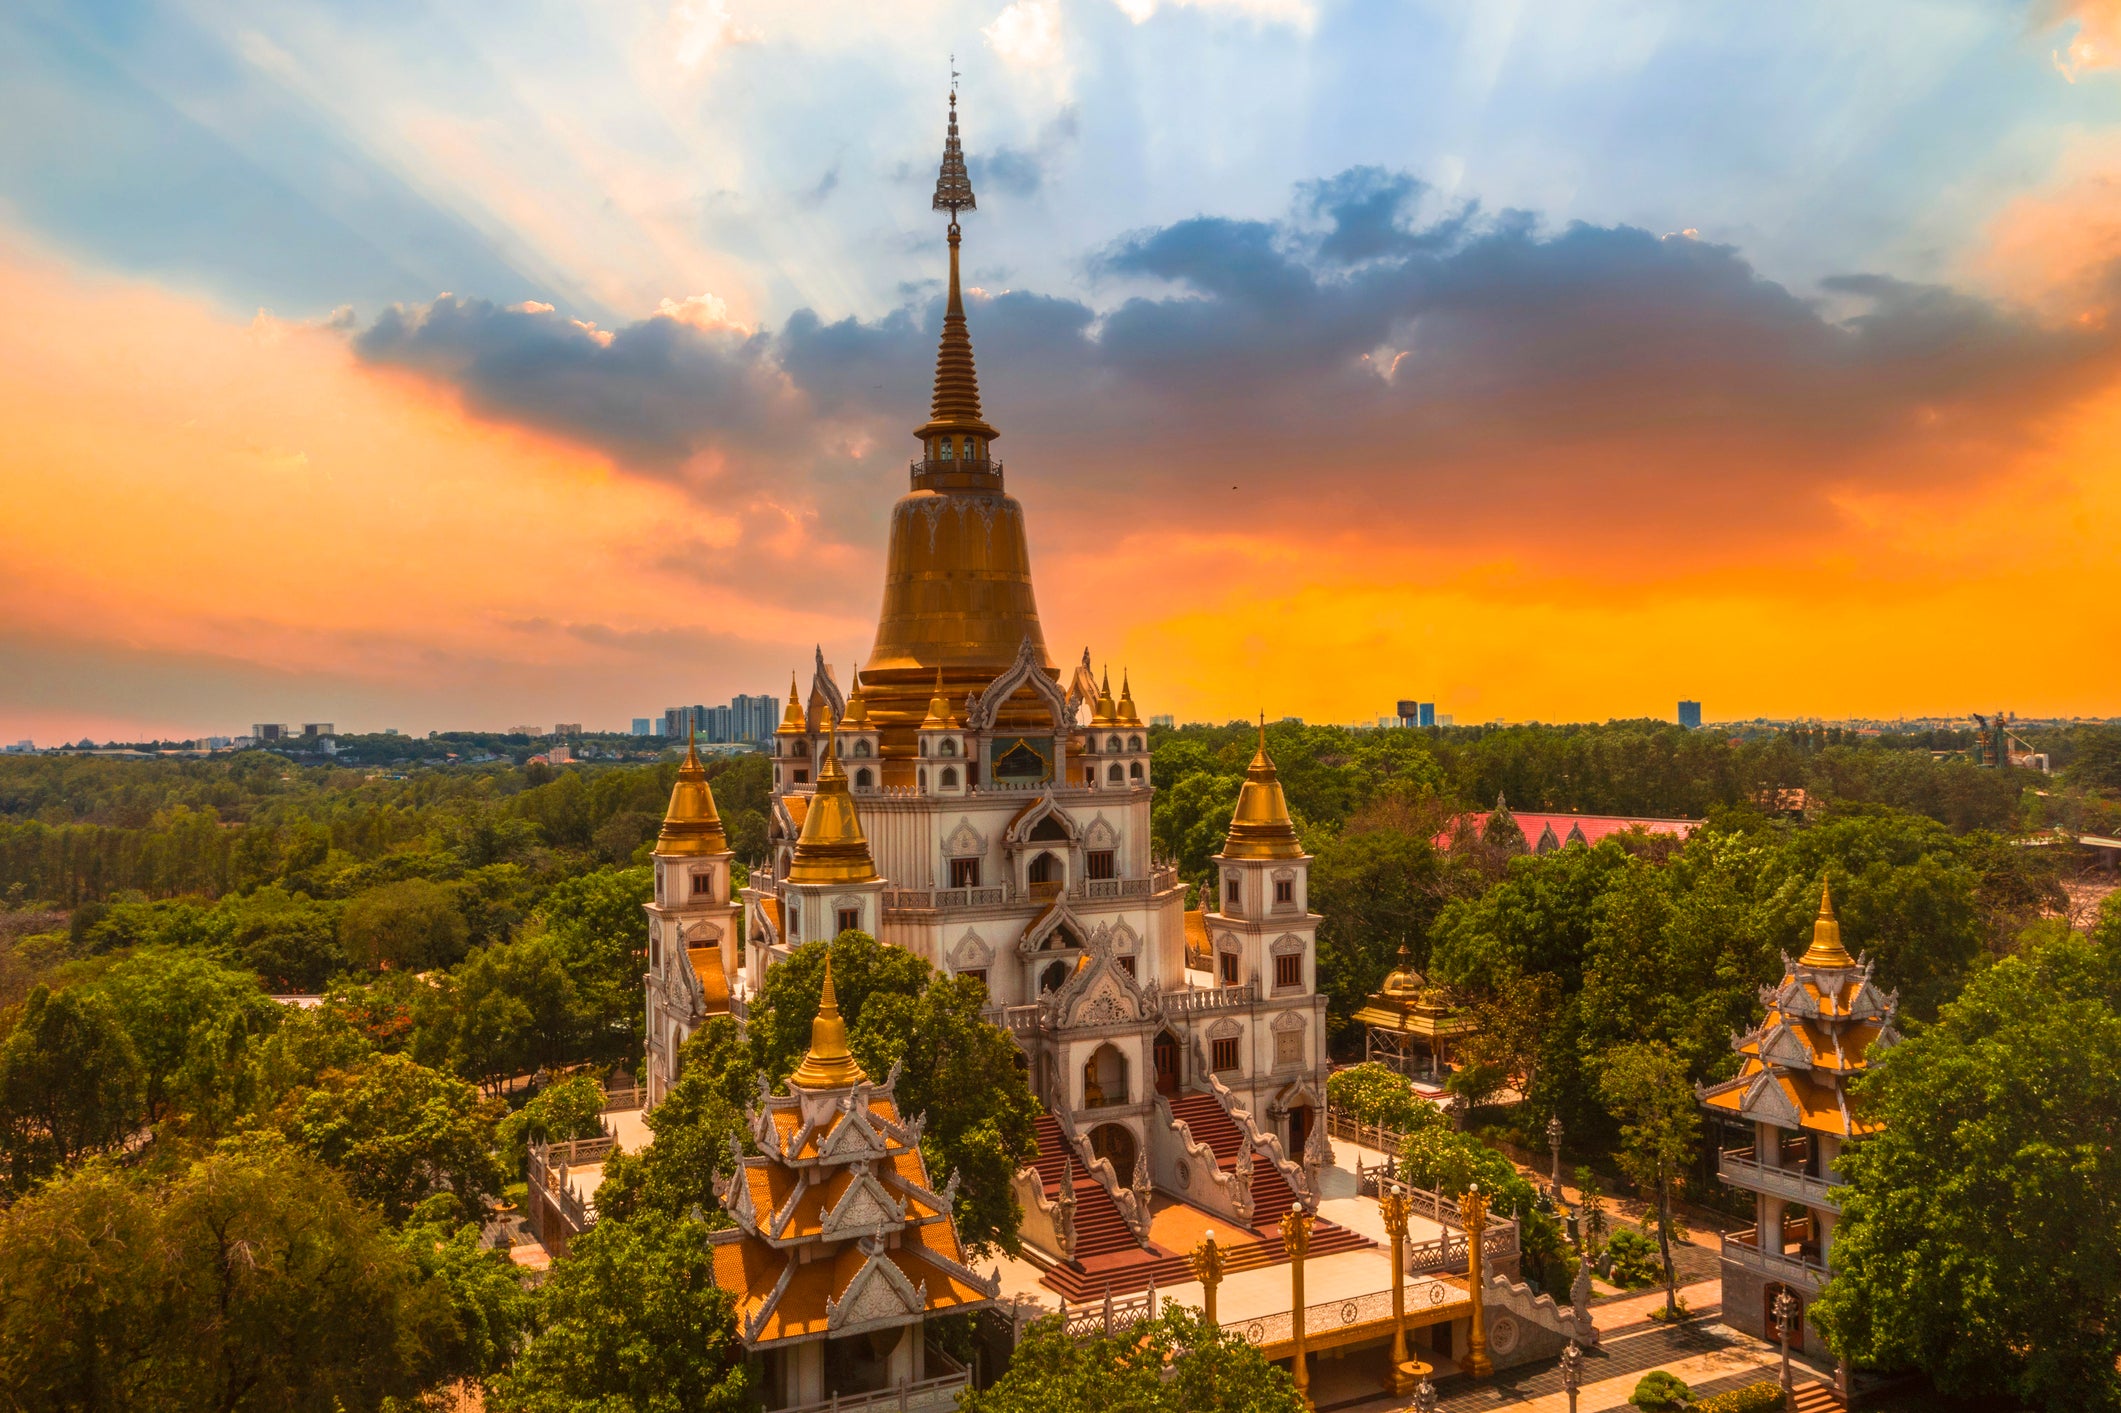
1053, 977
863, 779
861, 748
1135, 770
1112, 743
1089, 775
924, 779
1105, 1079
1047, 870
949, 747
1117, 775
949, 777
944, 447
1134, 743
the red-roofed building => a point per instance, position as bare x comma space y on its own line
1544, 833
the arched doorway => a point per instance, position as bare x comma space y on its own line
1167, 1053
1767, 1314
1046, 875
1115, 1144
1300, 1120
1053, 977
1104, 1078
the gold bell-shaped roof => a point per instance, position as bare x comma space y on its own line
792, 722
1826, 950
832, 847
856, 716
829, 1065
1261, 828
1128, 716
692, 825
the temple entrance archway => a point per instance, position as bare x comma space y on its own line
1115, 1144
1105, 1078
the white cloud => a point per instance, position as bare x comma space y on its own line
1027, 33
1301, 13
704, 29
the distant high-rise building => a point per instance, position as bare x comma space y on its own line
1167, 722
1413, 713
567, 728
314, 729
641, 725
1690, 714
747, 720
661, 727
271, 731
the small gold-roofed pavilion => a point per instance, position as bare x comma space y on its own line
1408, 1009
1822, 1023
1260, 828
691, 825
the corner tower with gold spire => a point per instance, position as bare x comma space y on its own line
692, 923
957, 579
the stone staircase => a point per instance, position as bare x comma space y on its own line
1816, 1397
1099, 1228
1201, 1113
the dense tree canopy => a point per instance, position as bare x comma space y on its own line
1981, 1232
1174, 1364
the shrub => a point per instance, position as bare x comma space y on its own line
1371, 1093
1659, 1392
1763, 1397
1634, 1258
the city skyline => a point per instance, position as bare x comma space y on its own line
1487, 365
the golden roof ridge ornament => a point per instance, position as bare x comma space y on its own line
829, 1063
1260, 828
691, 825
1826, 950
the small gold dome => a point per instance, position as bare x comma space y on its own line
1128, 716
940, 717
692, 825
829, 1064
832, 847
1261, 828
792, 723
1826, 950
856, 717
1102, 711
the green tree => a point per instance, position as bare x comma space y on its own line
400, 1132
1378, 887
1660, 1130
1176, 1363
1373, 1093
631, 1321
250, 1283
568, 1108
1979, 1240
1190, 819
191, 1021
480, 1309
412, 925
70, 1083
680, 1170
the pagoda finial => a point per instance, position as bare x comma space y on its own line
953, 184
955, 407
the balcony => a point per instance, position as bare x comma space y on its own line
1206, 1000
1088, 890
1742, 1248
1741, 1167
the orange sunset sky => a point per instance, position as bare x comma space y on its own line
423, 372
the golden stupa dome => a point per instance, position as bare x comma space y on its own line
832, 847
692, 825
829, 1064
792, 723
1261, 828
1826, 951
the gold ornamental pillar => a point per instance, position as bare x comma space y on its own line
1402, 1374
1473, 1208
1207, 1260
1296, 1241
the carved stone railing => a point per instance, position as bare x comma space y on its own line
1741, 1168
1330, 1317
1132, 1201
1108, 1316
1117, 888
1265, 1145
547, 1169
1185, 1167
939, 1392
1499, 1242
946, 899
1743, 1248
1200, 1001
1049, 1223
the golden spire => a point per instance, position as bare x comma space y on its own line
832, 847
829, 1065
940, 717
1261, 827
857, 713
955, 407
792, 722
1826, 950
1102, 712
1128, 716
691, 825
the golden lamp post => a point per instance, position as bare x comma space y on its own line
1473, 1209
1207, 1260
1403, 1374
1296, 1240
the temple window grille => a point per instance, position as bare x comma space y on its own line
1223, 1054
1288, 971
964, 873
1098, 864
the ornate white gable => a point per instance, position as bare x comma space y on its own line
879, 1294
863, 1208
1765, 1100
1026, 671
971, 952
1100, 834
964, 841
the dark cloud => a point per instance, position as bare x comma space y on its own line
1354, 367
1010, 170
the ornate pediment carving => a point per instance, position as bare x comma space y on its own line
964, 841
971, 952
1026, 671
863, 1208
